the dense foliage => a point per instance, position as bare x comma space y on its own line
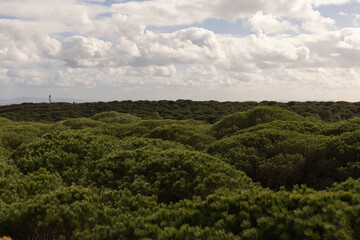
264, 173
208, 111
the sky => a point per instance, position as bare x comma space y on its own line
225, 50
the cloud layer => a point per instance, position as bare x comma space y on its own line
69, 45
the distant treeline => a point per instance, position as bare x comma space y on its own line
208, 111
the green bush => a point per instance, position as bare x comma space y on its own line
14, 135
70, 154
350, 185
81, 123
71, 212
87, 213
237, 121
282, 170
172, 173
15, 186
259, 214
5, 122
338, 128
194, 135
304, 127
254, 152
115, 117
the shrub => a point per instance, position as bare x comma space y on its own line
81, 123
307, 158
194, 135
172, 173
69, 154
115, 117
12, 136
237, 121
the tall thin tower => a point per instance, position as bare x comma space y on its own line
49, 98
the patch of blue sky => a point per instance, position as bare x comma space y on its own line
111, 2
63, 35
105, 15
8, 17
218, 26
343, 14
123, 1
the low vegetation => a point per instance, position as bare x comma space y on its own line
263, 173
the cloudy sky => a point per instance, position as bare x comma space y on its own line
233, 50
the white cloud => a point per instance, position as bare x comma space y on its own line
262, 52
78, 51
68, 12
93, 1
187, 46
270, 24
198, 75
350, 39
320, 77
165, 13
27, 77
22, 44
332, 49
84, 44
50, 47
75, 78
317, 3
117, 77
115, 26
152, 71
